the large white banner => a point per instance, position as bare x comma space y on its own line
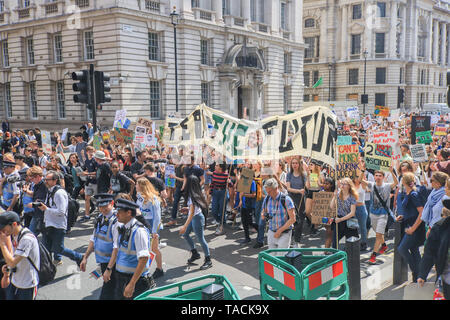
310, 132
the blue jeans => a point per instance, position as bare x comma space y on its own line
197, 224
409, 249
53, 240
33, 226
361, 215
14, 293
261, 223
218, 204
176, 201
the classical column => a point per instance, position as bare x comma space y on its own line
368, 33
435, 40
429, 56
403, 34
344, 33
415, 26
323, 35
393, 31
297, 7
448, 49
274, 10
217, 8
186, 8
246, 11
443, 44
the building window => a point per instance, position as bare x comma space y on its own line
286, 99
195, 3
313, 50
310, 23
315, 76
357, 13
380, 76
283, 16
155, 99
306, 98
441, 80
352, 96
381, 9
423, 76
402, 75
5, 54
32, 99
379, 43
60, 100
353, 76
29, 50
306, 78
380, 99
206, 93
89, 45
257, 10
154, 52
2, 6
421, 46
226, 7
204, 51
24, 3
356, 44
7, 100
57, 40
399, 35
287, 62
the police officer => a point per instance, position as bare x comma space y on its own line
103, 243
133, 255
10, 187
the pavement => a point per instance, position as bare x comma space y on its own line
239, 263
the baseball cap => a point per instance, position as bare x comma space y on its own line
7, 218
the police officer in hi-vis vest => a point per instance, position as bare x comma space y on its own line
10, 187
103, 244
132, 264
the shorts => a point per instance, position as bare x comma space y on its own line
90, 190
379, 222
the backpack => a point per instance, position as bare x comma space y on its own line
283, 203
47, 270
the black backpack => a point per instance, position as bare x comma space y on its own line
47, 270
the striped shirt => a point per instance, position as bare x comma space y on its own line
219, 180
275, 211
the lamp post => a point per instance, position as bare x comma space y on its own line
174, 20
330, 65
365, 65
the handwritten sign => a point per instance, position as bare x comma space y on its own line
378, 157
419, 124
64, 134
381, 111
389, 138
123, 135
321, 207
440, 129
347, 165
170, 182
344, 140
97, 142
314, 180
245, 180
424, 137
120, 118
419, 153
366, 122
46, 141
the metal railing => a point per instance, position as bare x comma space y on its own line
24, 13
205, 15
82, 3
152, 5
51, 8
239, 22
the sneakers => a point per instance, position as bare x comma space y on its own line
363, 247
244, 241
85, 218
162, 245
194, 256
207, 264
57, 262
258, 245
158, 273
383, 249
219, 231
373, 259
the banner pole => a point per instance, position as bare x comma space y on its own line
337, 195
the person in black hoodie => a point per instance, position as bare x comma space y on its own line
437, 250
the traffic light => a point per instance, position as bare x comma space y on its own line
364, 98
83, 87
101, 86
401, 95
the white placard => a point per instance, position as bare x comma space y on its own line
419, 152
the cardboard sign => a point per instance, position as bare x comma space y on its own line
123, 136
347, 165
381, 111
389, 138
170, 182
321, 207
419, 124
419, 153
414, 291
378, 157
424, 137
46, 141
440, 129
245, 180
314, 180
344, 140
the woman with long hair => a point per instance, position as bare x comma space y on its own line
346, 209
433, 207
77, 182
150, 207
128, 158
196, 221
314, 183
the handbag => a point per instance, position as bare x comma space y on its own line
352, 223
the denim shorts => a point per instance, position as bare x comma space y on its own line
90, 190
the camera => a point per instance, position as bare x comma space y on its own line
11, 270
37, 204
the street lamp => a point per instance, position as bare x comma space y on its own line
174, 20
365, 65
330, 65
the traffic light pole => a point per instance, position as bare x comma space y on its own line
93, 101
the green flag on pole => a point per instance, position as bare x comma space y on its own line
318, 83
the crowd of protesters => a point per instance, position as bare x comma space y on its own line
129, 185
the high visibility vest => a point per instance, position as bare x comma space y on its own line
127, 260
103, 240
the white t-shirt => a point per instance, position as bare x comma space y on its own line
197, 210
26, 276
361, 194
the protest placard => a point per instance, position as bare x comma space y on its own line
314, 180
440, 129
120, 118
424, 137
106, 136
46, 141
419, 124
341, 116
245, 180
419, 153
366, 122
123, 135
381, 111
321, 207
353, 115
435, 119
378, 157
344, 140
394, 115
170, 182
389, 138
347, 165
97, 142
64, 134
